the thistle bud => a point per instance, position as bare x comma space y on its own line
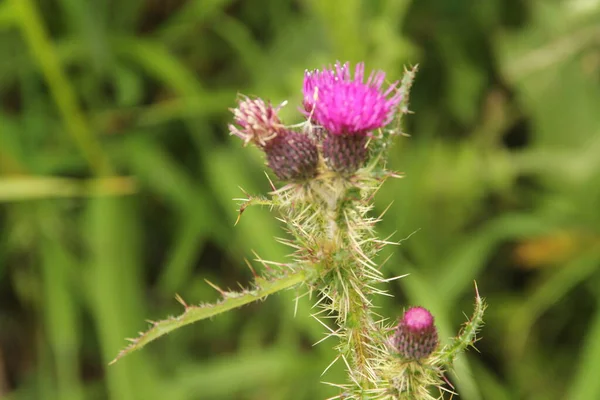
257, 121
416, 336
291, 155
345, 153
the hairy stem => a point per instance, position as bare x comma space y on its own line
348, 289
358, 328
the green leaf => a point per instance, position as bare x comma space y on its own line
230, 301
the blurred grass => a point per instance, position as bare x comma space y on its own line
117, 174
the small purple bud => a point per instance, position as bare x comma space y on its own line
416, 336
291, 155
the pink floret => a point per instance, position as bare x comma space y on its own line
345, 105
418, 318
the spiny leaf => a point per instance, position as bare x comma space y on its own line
468, 334
407, 81
193, 314
249, 201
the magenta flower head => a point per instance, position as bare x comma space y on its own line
416, 336
349, 109
291, 155
344, 105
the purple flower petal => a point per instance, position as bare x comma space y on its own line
345, 105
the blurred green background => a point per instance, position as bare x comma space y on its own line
117, 179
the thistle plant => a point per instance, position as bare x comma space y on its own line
328, 170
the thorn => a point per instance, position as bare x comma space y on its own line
241, 211
394, 278
218, 289
296, 306
385, 261
396, 174
270, 182
243, 191
181, 301
386, 210
476, 291
350, 371
266, 263
329, 366
447, 381
251, 269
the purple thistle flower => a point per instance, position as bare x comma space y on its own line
416, 336
345, 105
291, 155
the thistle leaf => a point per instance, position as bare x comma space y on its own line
468, 334
263, 287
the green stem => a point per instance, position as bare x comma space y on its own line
359, 329
348, 291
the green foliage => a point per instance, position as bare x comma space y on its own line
117, 180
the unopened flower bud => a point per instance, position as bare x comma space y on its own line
416, 336
292, 156
256, 121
